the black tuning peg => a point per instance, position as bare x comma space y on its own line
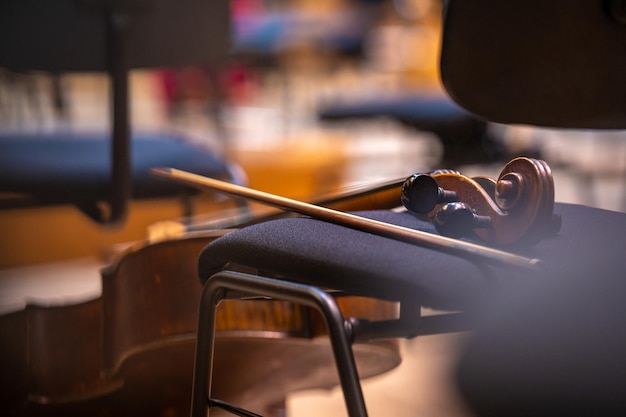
420, 194
458, 219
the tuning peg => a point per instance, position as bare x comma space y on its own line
458, 219
420, 194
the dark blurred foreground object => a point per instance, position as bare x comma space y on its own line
552, 64
110, 36
554, 345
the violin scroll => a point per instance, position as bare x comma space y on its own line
516, 208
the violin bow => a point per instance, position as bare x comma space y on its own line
404, 234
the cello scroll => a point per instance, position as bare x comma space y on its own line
516, 208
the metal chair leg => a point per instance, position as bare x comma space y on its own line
216, 289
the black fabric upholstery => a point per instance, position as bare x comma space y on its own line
70, 168
336, 257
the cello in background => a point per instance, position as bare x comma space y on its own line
128, 350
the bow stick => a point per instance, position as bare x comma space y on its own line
404, 234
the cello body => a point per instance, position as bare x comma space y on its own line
130, 349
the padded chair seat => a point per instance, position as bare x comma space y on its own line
75, 168
335, 257
463, 135
419, 111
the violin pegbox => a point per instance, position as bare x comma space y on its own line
517, 208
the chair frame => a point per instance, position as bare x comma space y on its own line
342, 332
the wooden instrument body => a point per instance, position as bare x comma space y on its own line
130, 350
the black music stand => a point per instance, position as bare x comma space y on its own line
112, 36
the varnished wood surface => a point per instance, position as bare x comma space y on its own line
131, 350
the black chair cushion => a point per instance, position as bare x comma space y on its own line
463, 135
70, 168
335, 257
431, 113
